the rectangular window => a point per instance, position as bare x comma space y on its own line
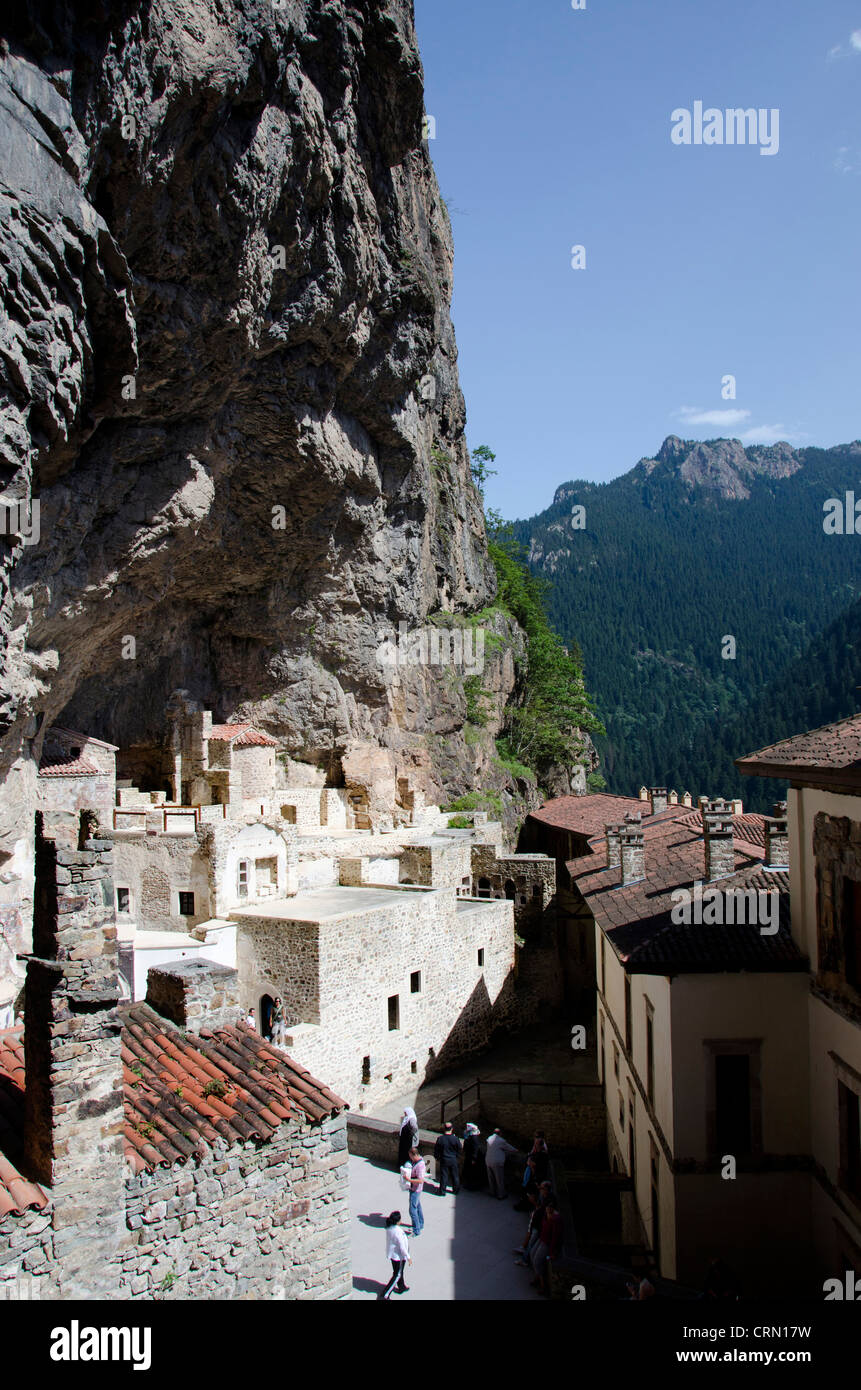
186, 904
242, 878
603, 967
615, 1061
123, 900
621, 1112
394, 1013
650, 1052
732, 1103
481, 956
366, 1071
852, 932
416, 982
601, 1048
629, 1023
849, 1110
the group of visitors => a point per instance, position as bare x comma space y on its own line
483, 1167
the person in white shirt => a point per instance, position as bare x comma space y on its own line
398, 1251
498, 1150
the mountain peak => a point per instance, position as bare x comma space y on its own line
722, 465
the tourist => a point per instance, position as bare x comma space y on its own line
498, 1150
249, 1019
474, 1172
417, 1182
408, 1136
447, 1152
539, 1201
529, 1186
547, 1247
398, 1251
540, 1156
277, 1024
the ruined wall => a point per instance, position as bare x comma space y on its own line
249, 1221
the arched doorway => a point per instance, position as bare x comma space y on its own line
509, 890
265, 1016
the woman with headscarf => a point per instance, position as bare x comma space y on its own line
408, 1137
474, 1175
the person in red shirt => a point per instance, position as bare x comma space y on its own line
548, 1247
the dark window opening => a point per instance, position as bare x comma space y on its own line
484, 887
366, 1071
416, 982
123, 900
414, 1066
186, 904
732, 1103
536, 891
849, 1109
481, 955
510, 890
394, 1013
852, 932
629, 1023
650, 1055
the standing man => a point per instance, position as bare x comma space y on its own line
547, 1247
398, 1251
446, 1152
417, 1182
498, 1150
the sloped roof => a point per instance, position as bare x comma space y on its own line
831, 753
587, 815
73, 767
182, 1091
635, 917
242, 736
16, 1194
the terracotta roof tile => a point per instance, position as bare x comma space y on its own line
182, 1092
17, 1195
242, 736
832, 749
74, 767
587, 815
635, 917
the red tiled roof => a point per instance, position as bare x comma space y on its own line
750, 827
587, 815
75, 767
242, 736
16, 1194
833, 750
635, 917
183, 1092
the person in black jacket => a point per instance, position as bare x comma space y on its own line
474, 1173
408, 1135
447, 1152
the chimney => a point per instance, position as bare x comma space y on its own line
633, 818
612, 834
658, 798
718, 837
632, 854
74, 1098
687, 799
737, 807
673, 798
644, 795
194, 994
777, 838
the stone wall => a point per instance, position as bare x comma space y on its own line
340, 973
256, 769
155, 869
194, 994
267, 1221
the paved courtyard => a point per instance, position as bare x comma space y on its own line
464, 1252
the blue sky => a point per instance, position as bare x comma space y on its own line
553, 129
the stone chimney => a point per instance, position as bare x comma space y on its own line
673, 798
718, 838
194, 994
737, 807
644, 795
612, 834
632, 854
74, 1098
777, 838
658, 798
687, 799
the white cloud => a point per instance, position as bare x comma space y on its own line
847, 161
841, 50
766, 434
722, 419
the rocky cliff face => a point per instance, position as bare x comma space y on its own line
229, 377
722, 465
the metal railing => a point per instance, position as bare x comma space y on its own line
551, 1093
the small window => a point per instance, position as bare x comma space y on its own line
123, 900
621, 1112
414, 1066
394, 1013
186, 904
242, 877
416, 982
481, 957
615, 1061
629, 1022
75, 752
366, 1071
650, 1052
536, 891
